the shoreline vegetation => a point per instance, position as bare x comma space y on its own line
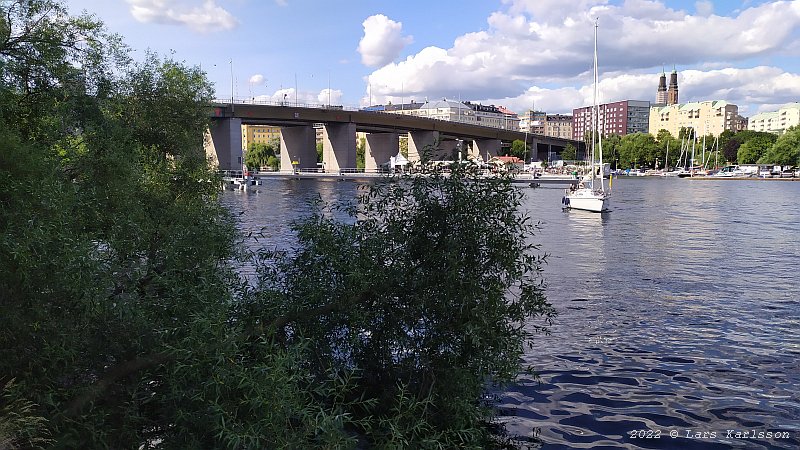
125, 325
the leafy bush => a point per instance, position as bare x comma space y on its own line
425, 293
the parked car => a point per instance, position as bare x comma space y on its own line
787, 173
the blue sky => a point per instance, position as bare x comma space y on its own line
515, 53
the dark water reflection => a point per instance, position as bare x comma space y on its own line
678, 311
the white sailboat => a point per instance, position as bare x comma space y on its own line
591, 195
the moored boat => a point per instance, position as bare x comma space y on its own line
590, 195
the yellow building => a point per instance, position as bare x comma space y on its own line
263, 134
708, 117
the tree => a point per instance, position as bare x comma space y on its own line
731, 150
258, 155
611, 149
754, 145
319, 152
123, 333
361, 149
404, 145
722, 142
785, 151
637, 149
273, 163
569, 153
518, 149
387, 293
667, 149
749, 153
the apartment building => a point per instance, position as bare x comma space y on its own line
455, 111
620, 118
776, 121
259, 134
706, 117
539, 122
558, 125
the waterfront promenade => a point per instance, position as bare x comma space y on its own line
235, 178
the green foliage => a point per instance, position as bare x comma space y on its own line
722, 142
731, 150
319, 152
757, 144
519, 149
663, 136
415, 296
754, 145
611, 145
258, 155
125, 325
361, 148
749, 153
785, 151
273, 163
638, 150
686, 133
570, 153
20, 426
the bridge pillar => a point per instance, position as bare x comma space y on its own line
534, 150
419, 141
298, 144
223, 143
379, 149
339, 146
485, 148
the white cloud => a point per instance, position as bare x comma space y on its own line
537, 47
330, 97
282, 2
382, 42
256, 79
205, 17
287, 96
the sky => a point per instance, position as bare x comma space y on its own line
520, 54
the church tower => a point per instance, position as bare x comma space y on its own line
661, 95
672, 92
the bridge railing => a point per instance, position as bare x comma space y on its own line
258, 101
231, 173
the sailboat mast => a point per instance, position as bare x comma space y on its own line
694, 139
596, 108
704, 152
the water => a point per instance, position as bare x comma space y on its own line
678, 313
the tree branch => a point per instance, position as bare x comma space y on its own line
111, 376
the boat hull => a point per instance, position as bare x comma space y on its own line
586, 201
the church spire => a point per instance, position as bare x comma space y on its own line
661, 94
672, 92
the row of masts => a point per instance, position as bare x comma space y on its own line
683, 159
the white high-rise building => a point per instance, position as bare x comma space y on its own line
776, 121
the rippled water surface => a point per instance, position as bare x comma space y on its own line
679, 312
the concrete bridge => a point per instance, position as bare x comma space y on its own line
339, 127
